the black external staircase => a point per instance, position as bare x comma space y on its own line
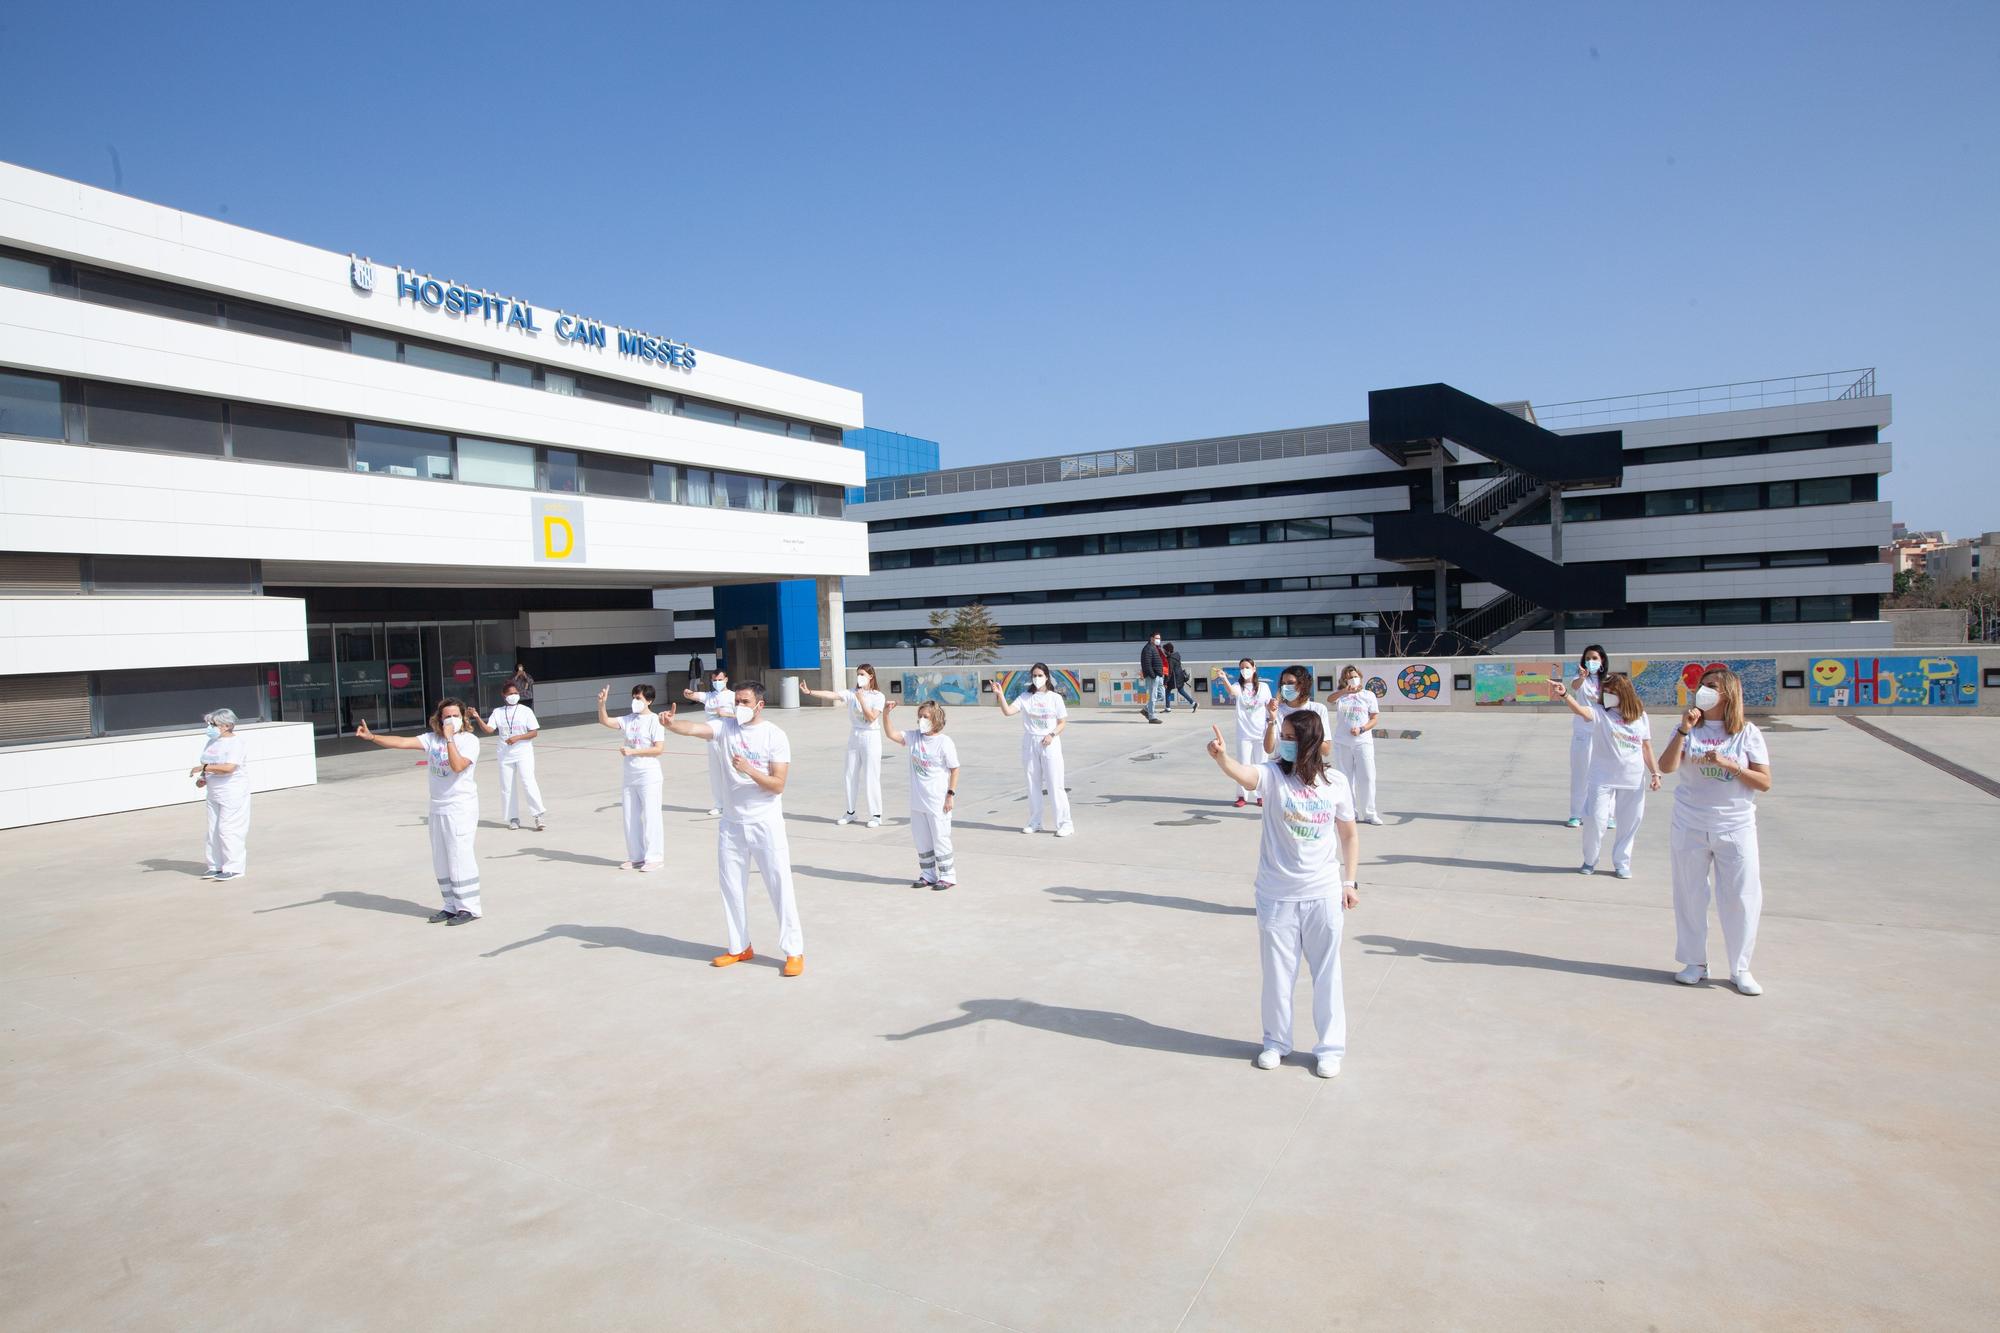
1421, 423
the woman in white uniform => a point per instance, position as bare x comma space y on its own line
1253, 702
1356, 714
933, 792
451, 753
1587, 685
1302, 895
223, 774
1044, 715
639, 793
1295, 694
1715, 828
517, 726
1622, 768
864, 742
719, 702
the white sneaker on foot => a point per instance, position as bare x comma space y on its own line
1064, 831
1373, 819
1693, 974
1327, 1067
845, 819
1746, 984
1586, 870
1626, 873
713, 811
1029, 828
1268, 1058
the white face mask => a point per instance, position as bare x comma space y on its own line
1038, 683
638, 704
214, 732
721, 684
1248, 673
745, 715
863, 681
1351, 683
1706, 698
451, 725
513, 699
923, 726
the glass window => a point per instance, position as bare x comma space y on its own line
1367, 580
831, 501
702, 410
513, 372
1673, 613
176, 697
151, 574
1731, 448
455, 363
562, 474
1105, 631
280, 435
1826, 608
1733, 611
799, 430
1139, 541
126, 417
1246, 627
1673, 564
397, 451
1729, 562
890, 560
1672, 453
1660, 504
1789, 559
664, 403
666, 483
1274, 532
1009, 551
613, 391
609, 474
30, 275
272, 322
1826, 491
826, 434
742, 492
1586, 510
1784, 494
1727, 499
372, 344
697, 488
1312, 625
491, 463
1784, 610
30, 405
555, 381
148, 298
1784, 444
795, 497
1333, 581
1245, 534
1308, 529
758, 421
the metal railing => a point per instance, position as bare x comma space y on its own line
1825, 387
1510, 492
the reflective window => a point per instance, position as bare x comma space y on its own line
666, 483
456, 363
697, 488
1728, 499
608, 474
795, 497
716, 412
743, 492
397, 451
1826, 608
148, 298
1826, 491
758, 421
513, 372
30, 405
272, 322
280, 435
1660, 504
1733, 611
1784, 494
372, 344
491, 463
150, 700
126, 417
562, 473
30, 275
555, 381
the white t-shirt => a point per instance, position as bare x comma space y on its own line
1040, 711
1285, 710
856, 700
719, 704
227, 750
1355, 710
1252, 704
931, 760
447, 787
763, 745
1708, 798
642, 732
1590, 690
1299, 854
1617, 747
514, 720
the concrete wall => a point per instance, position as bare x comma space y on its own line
108, 633
75, 779
1925, 625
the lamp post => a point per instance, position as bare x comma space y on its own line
926, 643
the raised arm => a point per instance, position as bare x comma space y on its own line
701, 731
1562, 693
894, 733
1670, 758
1271, 727
387, 742
480, 722
1242, 775
604, 718
1007, 709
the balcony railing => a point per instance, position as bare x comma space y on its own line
1824, 387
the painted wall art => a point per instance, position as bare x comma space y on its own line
1893, 682
1670, 682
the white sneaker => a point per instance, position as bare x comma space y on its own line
1626, 873
1693, 974
713, 811
1586, 870
1746, 984
1373, 819
874, 821
1029, 828
1327, 1067
1268, 1058
514, 824
1064, 831
845, 819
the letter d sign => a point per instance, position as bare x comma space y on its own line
557, 532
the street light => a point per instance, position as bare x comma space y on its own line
926, 643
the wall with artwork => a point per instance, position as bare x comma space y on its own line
1014, 683
1124, 688
1496, 684
1670, 682
1218, 690
1893, 682
1409, 684
946, 686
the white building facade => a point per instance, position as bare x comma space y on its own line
238, 471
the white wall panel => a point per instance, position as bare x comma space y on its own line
576, 629
1722, 640
1798, 581
76, 779
48, 634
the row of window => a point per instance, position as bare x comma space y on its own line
124, 416
1117, 504
112, 703
150, 296
1752, 611
1770, 444
1732, 498
35, 573
1690, 564
1220, 587
1134, 631
1126, 543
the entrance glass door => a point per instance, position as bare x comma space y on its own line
364, 685
407, 706
305, 689
451, 655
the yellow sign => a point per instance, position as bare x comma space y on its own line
557, 532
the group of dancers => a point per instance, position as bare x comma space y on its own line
1309, 768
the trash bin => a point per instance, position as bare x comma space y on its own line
788, 692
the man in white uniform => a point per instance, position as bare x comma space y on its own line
645, 742
718, 700
517, 726
753, 823
222, 772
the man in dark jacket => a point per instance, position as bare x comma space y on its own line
1153, 667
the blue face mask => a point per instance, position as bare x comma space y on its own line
215, 733
1291, 693
1592, 667
1288, 751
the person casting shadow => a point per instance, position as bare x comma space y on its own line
621, 937
373, 902
1104, 896
1431, 951
1096, 1024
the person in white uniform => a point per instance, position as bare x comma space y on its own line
1302, 894
753, 823
718, 701
1295, 691
1356, 715
933, 792
517, 726
1253, 703
223, 774
1622, 768
639, 795
1587, 686
1714, 837
1044, 715
451, 753
864, 742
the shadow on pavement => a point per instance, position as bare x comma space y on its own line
162, 865
557, 854
1463, 863
1103, 1025
621, 937
1115, 798
372, 902
1407, 816
1070, 894
1432, 952
850, 876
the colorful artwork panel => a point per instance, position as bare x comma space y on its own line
1670, 682
1067, 682
1893, 682
947, 687
1495, 684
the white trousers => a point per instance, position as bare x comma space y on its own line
1250, 754
645, 831
718, 777
1308, 927
452, 861
1739, 892
517, 780
1044, 765
1357, 764
1580, 801
864, 767
1628, 806
736, 843
931, 831
228, 831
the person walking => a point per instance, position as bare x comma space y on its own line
753, 823
864, 742
1044, 715
1622, 768
1177, 681
1356, 714
694, 668
515, 723
1714, 836
1253, 704
639, 791
718, 701
223, 774
451, 754
1303, 895
521, 683
1153, 670
933, 792
1588, 686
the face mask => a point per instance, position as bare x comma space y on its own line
215, 733
1592, 667
745, 715
923, 726
513, 699
1248, 673
1288, 751
721, 684
863, 681
1706, 698
638, 705
1351, 683
451, 725
1038, 683
1291, 693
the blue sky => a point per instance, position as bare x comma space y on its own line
1023, 229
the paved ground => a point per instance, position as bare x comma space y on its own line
289, 1103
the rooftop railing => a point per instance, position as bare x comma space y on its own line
1824, 387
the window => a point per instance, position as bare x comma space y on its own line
513, 372
148, 298
1731, 448
1245, 534
491, 463
1729, 562
1733, 611
273, 322
280, 435
1332, 581
1826, 491
1673, 564
30, 405
1367, 580
1307, 626
613, 391
1784, 610
1781, 444
1784, 494
397, 451
555, 381
697, 489
1790, 559
455, 363
1727, 499
664, 403
30, 275
1660, 504
125, 417
1673, 613
1585, 510
562, 475
758, 421
151, 574
742, 492
373, 344
1308, 529
889, 560
608, 474
177, 697
704, 411
666, 483
1246, 627
826, 434
1826, 608
45, 708
1672, 453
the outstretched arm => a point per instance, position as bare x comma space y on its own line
387, 742
1242, 775
1000, 696
604, 718
701, 731
1562, 693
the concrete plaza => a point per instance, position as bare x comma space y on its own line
287, 1102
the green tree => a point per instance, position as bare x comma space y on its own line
1980, 600
966, 636
1913, 588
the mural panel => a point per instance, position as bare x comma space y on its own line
947, 687
1670, 682
1068, 683
1121, 687
1883, 682
1406, 683
1218, 692
1498, 683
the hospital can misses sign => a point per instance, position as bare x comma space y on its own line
558, 531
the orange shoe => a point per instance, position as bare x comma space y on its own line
725, 959
795, 964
